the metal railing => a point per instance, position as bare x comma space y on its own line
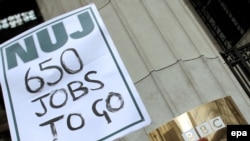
228, 24
238, 60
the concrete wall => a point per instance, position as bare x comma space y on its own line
172, 60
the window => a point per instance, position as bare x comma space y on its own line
228, 21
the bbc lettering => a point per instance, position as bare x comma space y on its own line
204, 129
18, 19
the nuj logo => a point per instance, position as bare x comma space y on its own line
28, 51
204, 129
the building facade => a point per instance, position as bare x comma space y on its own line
172, 57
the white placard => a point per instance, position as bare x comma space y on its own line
64, 81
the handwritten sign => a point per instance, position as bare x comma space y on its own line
64, 80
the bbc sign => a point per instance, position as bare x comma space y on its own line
217, 120
17, 16
204, 129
